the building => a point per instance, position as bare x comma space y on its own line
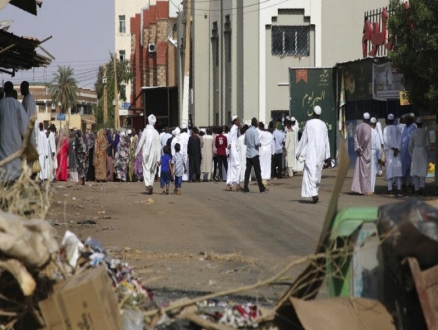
242, 51
153, 62
79, 117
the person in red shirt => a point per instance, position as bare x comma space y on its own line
221, 144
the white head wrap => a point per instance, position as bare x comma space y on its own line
390, 116
266, 126
317, 110
373, 120
287, 118
177, 131
152, 120
293, 119
129, 131
234, 118
366, 115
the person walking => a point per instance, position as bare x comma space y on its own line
195, 155
242, 151
393, 164
362, 144
13, 127
52, 152
290, 145
277, 158
376, 152
233, 174
207, 155
164, 163
221, 144
266, 151
100, 156
178, 168
62, 157
252, 144
151, 150
419, 144
184, 145
81, 153
316, 144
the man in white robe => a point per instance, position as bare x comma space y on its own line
380, 132
316, 144
13, 126
184, 145
52, 152
150, 142
43, 152
265, 153
176, 139
419, 145
361, 182
207, 155
376, 154
234, 165
291, 144
392, 145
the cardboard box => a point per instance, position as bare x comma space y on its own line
83, 302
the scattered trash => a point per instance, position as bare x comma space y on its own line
148, 201
87, 222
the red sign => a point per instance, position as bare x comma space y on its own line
301, 75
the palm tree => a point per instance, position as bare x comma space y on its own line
64, 88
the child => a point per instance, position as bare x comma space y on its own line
178, 168
165, 170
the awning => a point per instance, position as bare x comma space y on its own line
27, 5
19, 53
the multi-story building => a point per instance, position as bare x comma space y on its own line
79, 117
124, 10
241, 51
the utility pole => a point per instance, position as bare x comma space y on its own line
105, 96
116, 95
186, 91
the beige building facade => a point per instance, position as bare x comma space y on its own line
241, 51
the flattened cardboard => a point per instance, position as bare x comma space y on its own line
85, 301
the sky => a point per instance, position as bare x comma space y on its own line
83, 37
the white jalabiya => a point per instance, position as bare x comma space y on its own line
184, 143
291, 144
242, 154
316, 144
419, 145
150, 142
376, 154
265, 153
44, 155
52, 146
392, 139
207, 156
234, 165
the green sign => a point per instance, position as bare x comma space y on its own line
309, 88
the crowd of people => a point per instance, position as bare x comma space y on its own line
402, 148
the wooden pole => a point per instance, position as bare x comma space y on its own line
116, 96
105, 96
186, 92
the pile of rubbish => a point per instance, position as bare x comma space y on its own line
80, 285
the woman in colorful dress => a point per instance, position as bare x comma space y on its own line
109, 158
62, 157
132, 149
138, 162
122, 158
100, 152
81, 151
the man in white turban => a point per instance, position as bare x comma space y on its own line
392, 145
234, 166
315, 143
363, 146
150, 142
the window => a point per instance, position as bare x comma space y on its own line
290, 40
122, 55
122, 24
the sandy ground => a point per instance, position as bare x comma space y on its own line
206, 239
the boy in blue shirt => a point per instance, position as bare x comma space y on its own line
165, 170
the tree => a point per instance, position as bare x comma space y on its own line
64, 88
124, 75
415, 27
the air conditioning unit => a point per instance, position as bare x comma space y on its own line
152, 48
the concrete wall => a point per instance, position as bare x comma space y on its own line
277, 67
343, 22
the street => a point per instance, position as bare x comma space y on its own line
206, 239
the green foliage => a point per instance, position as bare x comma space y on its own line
416, 46
124, 75
64, 88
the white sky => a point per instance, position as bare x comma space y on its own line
83, 37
